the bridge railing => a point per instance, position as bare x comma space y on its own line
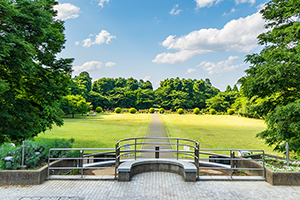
135, 147
80, 159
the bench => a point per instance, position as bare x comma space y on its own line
130, 168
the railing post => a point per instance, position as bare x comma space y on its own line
177, 147
197, 159
49, 162
156, 151
117, 159
134, 149
263, 159
81, 151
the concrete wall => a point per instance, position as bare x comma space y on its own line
274, 178
30, 177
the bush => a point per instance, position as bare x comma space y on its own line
161, 111
230, 111
151, 110
212, 111
118, 110
132, 110
180, 111
196, 111
98, 109
31, 159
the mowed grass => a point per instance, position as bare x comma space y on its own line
218, 131
101, 131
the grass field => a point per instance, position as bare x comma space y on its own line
101, 131
218, 131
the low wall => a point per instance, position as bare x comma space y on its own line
30, 177
272, 177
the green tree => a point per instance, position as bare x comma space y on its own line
274, 73
32, 79
72, 104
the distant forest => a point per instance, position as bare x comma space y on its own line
172, 94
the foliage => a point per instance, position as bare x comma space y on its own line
151, 110
32, 79
31, 158
161, 111
118, 110
274, 73
98, 109
186, 93
180, 111
230, 111
72, 104
212, 111
283, 126
132, 110
196, 111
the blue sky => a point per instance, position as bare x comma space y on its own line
158, 39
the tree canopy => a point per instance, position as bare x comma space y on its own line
32, 79
274, 74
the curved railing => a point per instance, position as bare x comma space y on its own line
136, 147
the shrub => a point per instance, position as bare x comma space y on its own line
161, 111
230, 111
180, 111
118, 110
33, 159
151, 110
196, 111
98, 109
212, 111
132, 110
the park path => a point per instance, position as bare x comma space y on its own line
156, 129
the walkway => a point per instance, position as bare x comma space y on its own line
156, 129
153, 185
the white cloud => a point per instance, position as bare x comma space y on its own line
88, 66
76, 43
220, 67
190, 70
100, 38
175, 10
244, 1
87, 42
208, 3
147, 78
232, 11
66, 11
110, 64
102, 2
237, 35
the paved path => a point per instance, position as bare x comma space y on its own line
156, 129
152, 185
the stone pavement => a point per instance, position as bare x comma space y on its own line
156, 129
152, 185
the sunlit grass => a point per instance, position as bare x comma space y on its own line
101, 131
218, 131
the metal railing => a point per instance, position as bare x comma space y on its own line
80, 162
229, 161
136, 147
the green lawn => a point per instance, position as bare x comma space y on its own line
101, 131
218, 131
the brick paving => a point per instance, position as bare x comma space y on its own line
152, 185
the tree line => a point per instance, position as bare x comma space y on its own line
172, 94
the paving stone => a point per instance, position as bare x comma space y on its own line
152, 185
